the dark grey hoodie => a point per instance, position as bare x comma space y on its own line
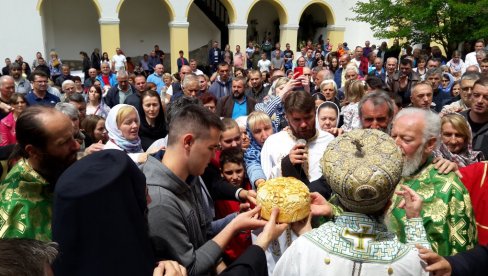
176, 220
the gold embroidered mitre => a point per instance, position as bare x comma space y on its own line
363, 167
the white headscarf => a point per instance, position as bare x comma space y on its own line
115, 135
326, 104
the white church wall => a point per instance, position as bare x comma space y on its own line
22, 30
201, 29
71, 26
74, 26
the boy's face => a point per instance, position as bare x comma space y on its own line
233, 173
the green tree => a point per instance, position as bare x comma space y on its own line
447, 22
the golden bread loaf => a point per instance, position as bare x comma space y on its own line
288, 194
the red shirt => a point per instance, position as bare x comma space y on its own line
106, 80
242, 241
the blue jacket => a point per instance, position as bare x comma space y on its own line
217, 88
252, 158
157, 80
111, 78
112, 98
338, 77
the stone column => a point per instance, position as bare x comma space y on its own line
238, 36
336, 34
289, 34
110, 35
178, 37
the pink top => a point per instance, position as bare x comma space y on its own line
7, 130
238, 60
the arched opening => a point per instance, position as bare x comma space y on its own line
63, 31
264, 20
313, 23
208, 21
144, 24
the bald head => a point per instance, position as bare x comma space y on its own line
7, 87
323, 75
185, 69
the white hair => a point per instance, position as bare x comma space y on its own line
122, 74
392, 58
432, 128
326, 82
189, 78
68, 109
241, 121
481, 53
351, 67
66, 82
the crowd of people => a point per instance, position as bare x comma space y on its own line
134, 171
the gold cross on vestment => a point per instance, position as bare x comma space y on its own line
455, 228
450, 181
361, 237
4, 225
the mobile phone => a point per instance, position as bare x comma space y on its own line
299, 70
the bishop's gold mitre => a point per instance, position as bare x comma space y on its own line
363, 168
288, 194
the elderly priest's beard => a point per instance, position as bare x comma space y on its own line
412, 164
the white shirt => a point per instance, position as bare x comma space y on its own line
119, 62
357, 62
169, 91
278, 145
158, 144
264, 65
197, 72
471, 59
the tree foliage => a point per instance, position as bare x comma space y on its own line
447, 22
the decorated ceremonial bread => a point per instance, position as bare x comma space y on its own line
363, 168
289, 194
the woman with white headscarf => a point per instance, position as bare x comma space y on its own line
122, 125
327, 118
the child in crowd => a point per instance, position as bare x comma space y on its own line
233, 170
354, 90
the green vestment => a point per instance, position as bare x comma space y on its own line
447, 213
25, 204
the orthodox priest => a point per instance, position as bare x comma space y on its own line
295, 152
447, 214
363, 168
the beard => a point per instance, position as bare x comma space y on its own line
237, 95
412, 164
51, 167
